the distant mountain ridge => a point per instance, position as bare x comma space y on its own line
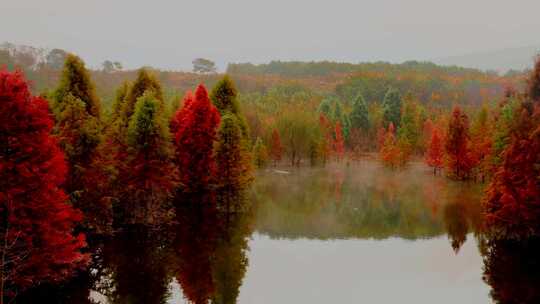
519, 58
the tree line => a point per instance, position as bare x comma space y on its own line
68, 170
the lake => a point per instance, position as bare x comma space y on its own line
347, 233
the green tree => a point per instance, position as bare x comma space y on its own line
260, 154
224, 97
410, 127
202, 65
392, 107
359, 116
232, 159
77, 111
149, 155
75, 80
145, 82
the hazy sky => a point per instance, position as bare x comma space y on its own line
169, 34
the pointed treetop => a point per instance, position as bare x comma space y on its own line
145, 81
534, 81
224, 96
147, 129
75, 80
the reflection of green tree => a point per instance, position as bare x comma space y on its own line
230, 263
512, 269
460, 217
372, 203
138, 258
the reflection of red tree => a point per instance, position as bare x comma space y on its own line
512, 270
195, 247
36, 241
338, 178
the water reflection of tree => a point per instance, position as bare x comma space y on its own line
211, 246
76, 290
194, 246
462, 214
512, 269
139, 261
230, 262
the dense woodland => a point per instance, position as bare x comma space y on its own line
89, 152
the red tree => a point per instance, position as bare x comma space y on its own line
276, 150
36, 240
434, 153
390, 153
339, 143
326, 145
197, 122
459, 157
512, 201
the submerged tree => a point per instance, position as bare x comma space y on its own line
389, 152
276, 149
150, 177
458, 151
36, 240
513, 196
434, 153
224, 97
339, 142
260, 154
197, 122
233, 161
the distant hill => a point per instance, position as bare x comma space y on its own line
497, 60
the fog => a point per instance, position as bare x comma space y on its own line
169, 34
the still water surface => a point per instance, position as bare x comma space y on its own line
342, 234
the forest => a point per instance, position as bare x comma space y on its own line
159, 156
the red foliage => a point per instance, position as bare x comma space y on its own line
390, 153
427, 132
460, 160
276, 149
196, 122
512, 200
434, 154
338, 143
328, 139
36, 240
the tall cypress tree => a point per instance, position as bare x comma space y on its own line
392, 107
224, 97
233, 163
150, 176
75, 80
145, 82
196, 124
359, 116
119, 99
77, 111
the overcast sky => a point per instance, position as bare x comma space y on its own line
169, 34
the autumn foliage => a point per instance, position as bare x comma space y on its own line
197, 122
459, 157
434, 153
36, 240
512, 200
276, 149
